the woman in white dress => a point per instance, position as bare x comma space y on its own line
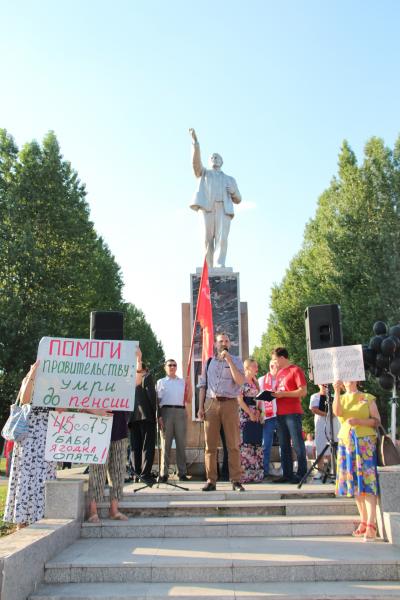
29, 469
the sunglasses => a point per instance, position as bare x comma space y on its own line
171, 365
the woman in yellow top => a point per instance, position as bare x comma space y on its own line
356, 456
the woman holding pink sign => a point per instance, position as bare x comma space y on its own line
25, 502
115, 464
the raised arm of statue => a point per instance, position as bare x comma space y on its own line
197, 165
194, 136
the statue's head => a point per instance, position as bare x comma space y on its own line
216, 161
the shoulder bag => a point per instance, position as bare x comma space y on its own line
16, 427
387, 453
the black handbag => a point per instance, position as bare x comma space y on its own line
387, 453
252, 433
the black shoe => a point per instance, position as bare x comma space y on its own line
209, 487
162, 479
149, 481
183, 478
294, 479
281, 480
237, 486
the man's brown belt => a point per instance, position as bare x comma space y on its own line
222, 398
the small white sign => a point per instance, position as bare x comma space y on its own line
78, 437
77, 373
344, 363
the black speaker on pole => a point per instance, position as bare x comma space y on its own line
323, 328
106, 325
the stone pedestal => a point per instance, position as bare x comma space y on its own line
229, 316
388, 518
64, 499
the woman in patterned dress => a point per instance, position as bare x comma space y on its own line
356, 459
251, 451
29, 470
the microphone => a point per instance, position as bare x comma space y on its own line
224, 349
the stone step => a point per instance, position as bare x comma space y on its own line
224, 560
273, 493
238, 506
338, 590
257, 526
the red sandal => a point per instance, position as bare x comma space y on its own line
361, 529
370, 538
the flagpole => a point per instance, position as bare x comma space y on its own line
195, 322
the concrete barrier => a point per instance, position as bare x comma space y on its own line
388, 517
23, 554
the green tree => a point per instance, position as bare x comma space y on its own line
54, 268
350, 256
137, 328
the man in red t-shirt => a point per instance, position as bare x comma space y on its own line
291, 386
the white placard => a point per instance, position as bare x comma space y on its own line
76, 373
78, 437
344, 363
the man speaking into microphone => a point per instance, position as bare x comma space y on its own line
220, 383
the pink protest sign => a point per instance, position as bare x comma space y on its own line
78, 437
78, 373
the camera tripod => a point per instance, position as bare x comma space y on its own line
329, 469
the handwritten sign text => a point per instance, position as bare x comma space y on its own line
344, 363
77, 373
77, 437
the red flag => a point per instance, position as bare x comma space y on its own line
204, 314
205, 319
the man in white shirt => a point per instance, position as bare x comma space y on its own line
172, 420
322, 427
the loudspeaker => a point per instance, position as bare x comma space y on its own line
323, 326
106, 325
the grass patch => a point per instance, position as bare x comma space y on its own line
5, 528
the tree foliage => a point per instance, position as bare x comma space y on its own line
137, 328
350, 256
54, 268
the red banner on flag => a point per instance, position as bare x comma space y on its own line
204, 317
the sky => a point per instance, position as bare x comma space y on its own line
274, 87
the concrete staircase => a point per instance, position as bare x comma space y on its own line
269, 542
